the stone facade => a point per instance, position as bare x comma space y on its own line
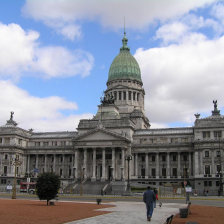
98, 150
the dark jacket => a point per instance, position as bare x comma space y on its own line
149, 197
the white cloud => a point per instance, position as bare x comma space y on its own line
58, 61
108, 13
172, 32
71, 31
20, 52
16, 48
41, 114
182, 79
218, 11
177, 32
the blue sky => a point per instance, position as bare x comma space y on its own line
55, 56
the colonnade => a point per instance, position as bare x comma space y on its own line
153, 164
83, 163
100, 163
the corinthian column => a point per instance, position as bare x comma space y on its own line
146, 165
94, 165
122, 164
85, 163
168, 165
76, 163
157, 165
113, 163
103, 165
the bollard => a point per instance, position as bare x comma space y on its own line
183, 212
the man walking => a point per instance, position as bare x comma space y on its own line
149, 197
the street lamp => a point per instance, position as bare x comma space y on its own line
220, 193
128, 158
81, 182
15, 163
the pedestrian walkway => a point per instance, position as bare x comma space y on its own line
132, 213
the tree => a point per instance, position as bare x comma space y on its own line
47, 186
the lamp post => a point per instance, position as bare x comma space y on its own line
81, 182
128, 158
220, 193
15, 163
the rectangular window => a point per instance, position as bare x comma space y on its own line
109, 156
115, 95
119, 95
185, 157
0, 140
218, 153
20, 141
63, 143
129, 95
6, 156
175, 172
210, 183
153, 158
54, 143
218, 168
174, 158
5, 170
206, 134
98, 156
163, 158
143, 158
164, 172
3, 181
206, 154
217, 183
205, 183
124, 95
153, 172
217, 134
70, 172
137, 96
207, 169
134, 94
185, 172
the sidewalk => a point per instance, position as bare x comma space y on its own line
132, 213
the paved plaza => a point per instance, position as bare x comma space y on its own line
132, 213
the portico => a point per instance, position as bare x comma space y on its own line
101, 155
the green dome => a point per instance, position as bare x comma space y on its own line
124, 66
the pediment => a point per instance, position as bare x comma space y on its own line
100, 135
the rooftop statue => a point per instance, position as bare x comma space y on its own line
106, 100
215, 104
11, 116
11, 122
215, 111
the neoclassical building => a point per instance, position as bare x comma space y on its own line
118, 144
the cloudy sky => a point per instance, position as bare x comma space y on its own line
55, 56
